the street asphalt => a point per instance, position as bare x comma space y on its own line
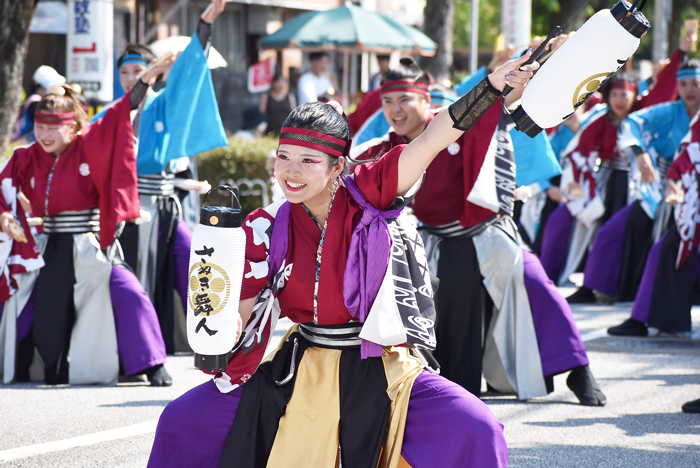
646, 380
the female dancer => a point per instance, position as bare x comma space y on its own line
80, 180
465, 205
618, 254
329, 377
178, 121
665, 294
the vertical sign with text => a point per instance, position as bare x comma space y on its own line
90, 47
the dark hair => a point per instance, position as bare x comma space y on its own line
383, 57
408, 69
313, 56
620, 76
137, 49
55, 104
321, 117
277, 76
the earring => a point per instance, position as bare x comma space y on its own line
335, 186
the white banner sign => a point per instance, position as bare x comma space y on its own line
90, 47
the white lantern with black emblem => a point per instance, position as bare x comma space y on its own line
577, 69
215, 277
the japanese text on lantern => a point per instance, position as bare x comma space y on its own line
209, 289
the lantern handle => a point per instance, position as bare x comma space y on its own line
228, 188
634, 5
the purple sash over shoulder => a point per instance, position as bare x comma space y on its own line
279, 240
368, 259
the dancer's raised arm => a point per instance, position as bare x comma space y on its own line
448, 126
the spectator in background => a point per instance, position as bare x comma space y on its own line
44, 78
254, 124
383, 61
314, 83
277, 104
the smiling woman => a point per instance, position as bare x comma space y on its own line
80, 311
337, 261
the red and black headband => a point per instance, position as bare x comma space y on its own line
405, 86
622, 84
314, 140
45, 118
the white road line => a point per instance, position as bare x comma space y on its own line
89, 439
594, 335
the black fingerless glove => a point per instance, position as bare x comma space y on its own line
467, 110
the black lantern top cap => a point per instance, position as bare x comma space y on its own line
630, 17
222, 216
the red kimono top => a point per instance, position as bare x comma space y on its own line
96, 170
442, 198
686, 168
378, 182
370, 104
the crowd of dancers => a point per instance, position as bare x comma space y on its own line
446, 233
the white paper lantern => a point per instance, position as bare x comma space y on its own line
215, 277
578, 68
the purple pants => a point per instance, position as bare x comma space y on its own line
139, 339
555, 242
558, 338
181, 252
446, 427
602, 271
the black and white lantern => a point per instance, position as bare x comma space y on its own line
217, 259
578, 68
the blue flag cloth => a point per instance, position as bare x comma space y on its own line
470, 81
535, 160
183, 118
560, 140
375, 126
659, 129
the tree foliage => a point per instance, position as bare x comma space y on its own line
548, 13
15, 17
439, 26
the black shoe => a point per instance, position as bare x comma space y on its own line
584, 386
629, 327
691, 407
603, 299
582, 296
158, 376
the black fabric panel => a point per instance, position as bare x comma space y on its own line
55, 309
549, 207
616, 194
517, 209
638, 242
462, 301
672, 297
262, 404
186, 174
364, 409
163, 297
129, 241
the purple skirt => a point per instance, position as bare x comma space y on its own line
446, 427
